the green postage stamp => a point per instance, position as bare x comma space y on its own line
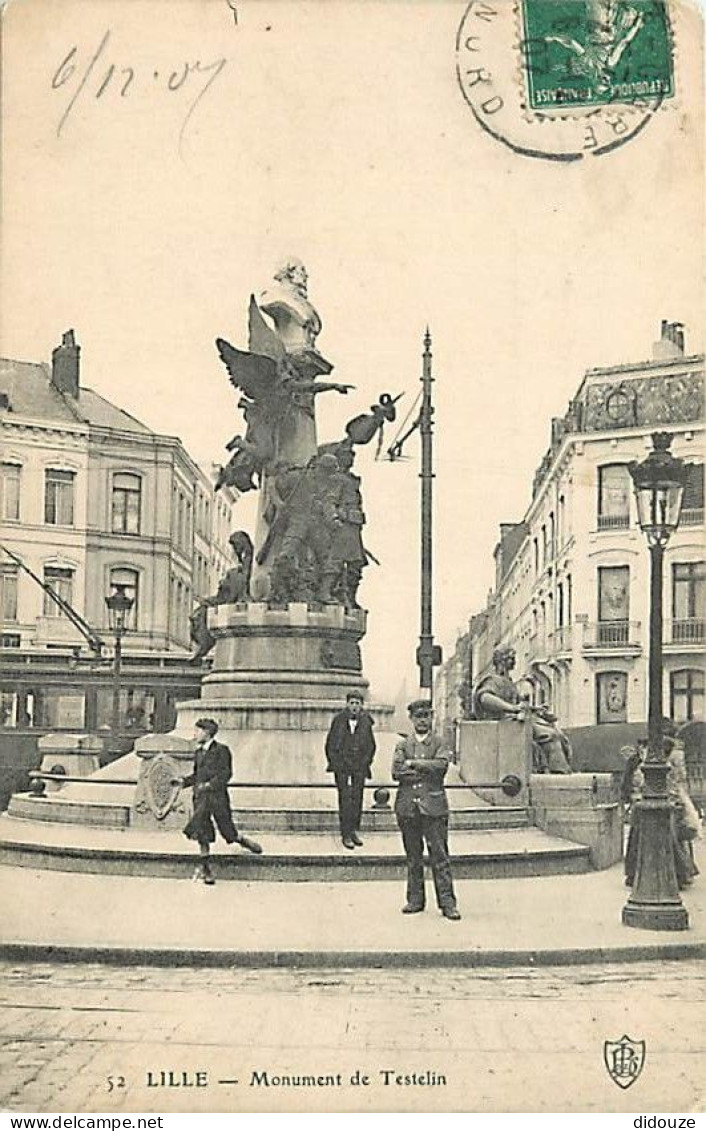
596, 52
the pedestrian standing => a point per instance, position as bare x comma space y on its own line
213, 766
419, 766
350, 749
631, 786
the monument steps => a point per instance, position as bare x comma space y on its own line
97, 814
489, 853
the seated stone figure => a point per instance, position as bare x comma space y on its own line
233, 588
497, 697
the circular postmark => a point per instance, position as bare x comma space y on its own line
565, 79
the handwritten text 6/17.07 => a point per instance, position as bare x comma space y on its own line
84, 75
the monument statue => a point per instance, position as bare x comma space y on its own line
497, 697
233, 589
308, 518
348, 554
361, 429
308, 543
297, 323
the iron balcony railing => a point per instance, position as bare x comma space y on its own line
692, 516
687, 630
612, 634
613, 521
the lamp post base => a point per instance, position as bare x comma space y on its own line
656, 916
655, 903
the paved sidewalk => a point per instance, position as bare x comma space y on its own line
540, 920
84, 1037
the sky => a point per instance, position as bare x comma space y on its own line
335, 132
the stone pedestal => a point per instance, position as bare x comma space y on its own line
488, 751
157, 804
278, 677
583, 808
76, 755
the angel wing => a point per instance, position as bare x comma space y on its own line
252, 373
263, 339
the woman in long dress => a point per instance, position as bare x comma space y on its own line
686, 824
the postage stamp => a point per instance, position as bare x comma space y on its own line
596, 53
563, 80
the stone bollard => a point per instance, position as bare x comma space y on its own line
584, 808
158, 804
75, 755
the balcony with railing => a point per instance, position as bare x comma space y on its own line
612, 635
614, 522
692, 516
563, 638
687, 631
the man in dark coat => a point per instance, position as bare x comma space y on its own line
419, 765
213, 766
350, 749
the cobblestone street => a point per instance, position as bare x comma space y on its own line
98, 1038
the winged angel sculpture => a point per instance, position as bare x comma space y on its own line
278, 386
278, 380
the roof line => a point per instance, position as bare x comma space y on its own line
122, 411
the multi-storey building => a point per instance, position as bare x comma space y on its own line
571, 591
91, 498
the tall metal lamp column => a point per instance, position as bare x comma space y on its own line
655, 903
119, 606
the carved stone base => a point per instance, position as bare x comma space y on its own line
296, 652
278, 677
656, 916
75, 755
157, 804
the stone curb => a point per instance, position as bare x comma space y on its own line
301, 959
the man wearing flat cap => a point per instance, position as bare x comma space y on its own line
213, 766
419, 766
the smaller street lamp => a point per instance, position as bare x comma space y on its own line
655, 902
119, 606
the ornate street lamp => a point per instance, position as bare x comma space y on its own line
119, 606
655, 902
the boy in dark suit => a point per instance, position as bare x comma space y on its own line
350, 749
213, 767
419, 765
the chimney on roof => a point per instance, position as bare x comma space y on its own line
671, 341
65, 365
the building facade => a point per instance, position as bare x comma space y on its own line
90, 498
571, 591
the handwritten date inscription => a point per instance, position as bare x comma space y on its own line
84, 76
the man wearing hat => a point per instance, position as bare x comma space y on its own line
419, 765
213, 767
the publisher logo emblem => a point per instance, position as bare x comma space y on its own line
624, 1060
